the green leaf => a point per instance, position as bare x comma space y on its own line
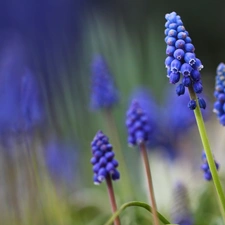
139, 204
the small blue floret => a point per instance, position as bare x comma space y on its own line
192, 104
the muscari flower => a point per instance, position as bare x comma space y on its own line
61, 160
104, 94
138, 126
219, 106
181, 59
205, 167
148, 103
181, 213
32, 106
22, 104
104, 164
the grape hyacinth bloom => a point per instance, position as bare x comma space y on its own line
219, 106
181, 213
205, 167
61, 160
104, 164
148, 104
138, 128
181, 59
32, 106
137, 123
104, 94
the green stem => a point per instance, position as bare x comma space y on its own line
206, 146
139, 204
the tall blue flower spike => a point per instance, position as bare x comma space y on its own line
181, 213
104, 164
138, 125
104, 94
181, 60
205, 167
219, 106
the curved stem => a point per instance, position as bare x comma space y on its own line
206, 146
138, 204
150, 184
112, 198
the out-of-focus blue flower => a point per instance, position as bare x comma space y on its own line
174, 124
219, 106
104, 164
104, 94
148, 103
181, 213
176, 121
20, 95
61, 160
205, 167
181, 59
166, 124
138, 124
31, 102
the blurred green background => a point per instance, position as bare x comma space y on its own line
58, 40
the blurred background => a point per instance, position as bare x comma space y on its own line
47, 124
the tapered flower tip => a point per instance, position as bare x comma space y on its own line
104, 164
103, 91
221, 68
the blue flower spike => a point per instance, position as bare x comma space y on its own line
205, 167
104, 164
137, 123
104, 94
219, 105
181, 58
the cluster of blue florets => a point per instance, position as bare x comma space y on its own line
205, 167
104, 95
104, 164
137, 123
219, 106
181, 58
